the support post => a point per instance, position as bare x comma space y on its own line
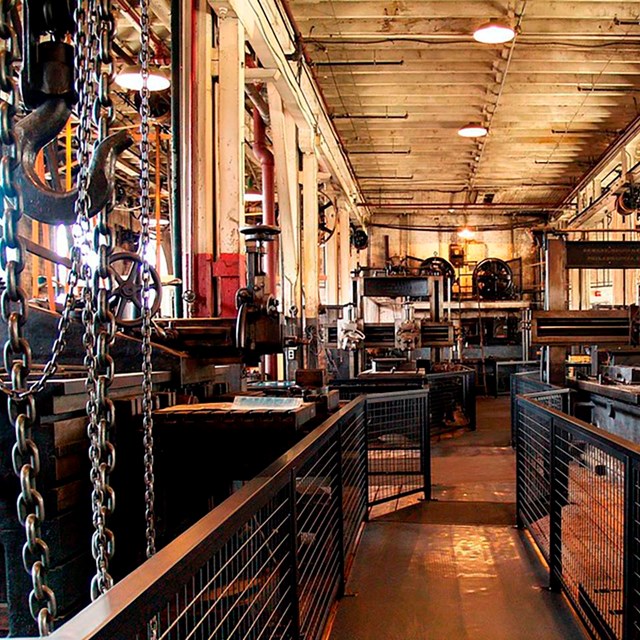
557, 499
285, 151
630, 618
197, 161
556, 300
345, 281
310, 248
230, 138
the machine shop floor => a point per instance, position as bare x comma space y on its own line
454, 568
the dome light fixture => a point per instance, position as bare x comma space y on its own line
494, 32
473, 130
466, 234
130, 78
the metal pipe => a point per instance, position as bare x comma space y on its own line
461, 206
176, 141
264, 155
253, 93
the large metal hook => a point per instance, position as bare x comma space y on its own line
39, 201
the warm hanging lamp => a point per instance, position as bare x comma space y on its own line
473, 130
494, 32
130, 78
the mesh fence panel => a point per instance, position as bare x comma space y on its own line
354, 477
243, 590
395, 443
634, 538
269, 562
579, 495
533, 471
588, 499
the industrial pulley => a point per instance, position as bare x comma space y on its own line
492, 280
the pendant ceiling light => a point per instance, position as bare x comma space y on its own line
473, 130
494, 32
130, 78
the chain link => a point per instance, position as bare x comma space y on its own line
17, 353
147, 368
92, 54
145, 208
94, 34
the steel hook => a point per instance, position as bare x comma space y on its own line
39, 201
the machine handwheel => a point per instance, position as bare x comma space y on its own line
125, 300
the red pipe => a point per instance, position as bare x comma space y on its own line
264, 155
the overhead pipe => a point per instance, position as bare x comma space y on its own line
538, 206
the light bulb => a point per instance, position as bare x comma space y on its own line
494, 33
130, 78
473, 130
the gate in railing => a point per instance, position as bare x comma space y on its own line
398, 440
578, 493
269, 562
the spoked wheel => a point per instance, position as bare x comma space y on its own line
125, 300
326, 218
437, 266
492, 280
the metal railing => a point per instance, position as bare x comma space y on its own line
578, 493
506, 369
270, 561
523, 384
449, 392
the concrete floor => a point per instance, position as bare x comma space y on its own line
454, 568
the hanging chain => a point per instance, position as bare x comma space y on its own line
17, 353
147, 368
145, 208
95, 64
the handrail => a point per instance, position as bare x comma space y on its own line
588, 431
123, 601
578, 494
321, 484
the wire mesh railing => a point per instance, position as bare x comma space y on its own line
578, 493
270, 561
523, 384
452, 398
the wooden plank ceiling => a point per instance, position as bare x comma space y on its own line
400, 78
